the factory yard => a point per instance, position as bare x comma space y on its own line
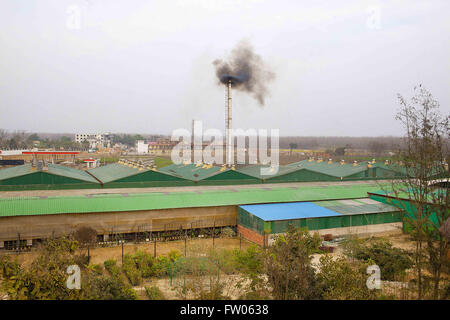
171, 286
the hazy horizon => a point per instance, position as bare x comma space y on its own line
147, 66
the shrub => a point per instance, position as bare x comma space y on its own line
392, 261
97, 268
108, 288
341, 280
112, 267
131, 271
145, 263
154, 293
228, 232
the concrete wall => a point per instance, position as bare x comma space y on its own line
44, 226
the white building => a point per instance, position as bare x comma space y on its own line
142, 147
98, 140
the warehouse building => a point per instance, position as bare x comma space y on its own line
122, 175
351, 171
125, 175
39, 177
40, 217
261, 223
284, 174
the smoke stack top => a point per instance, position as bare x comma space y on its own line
246, 71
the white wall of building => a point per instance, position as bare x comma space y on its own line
142, 147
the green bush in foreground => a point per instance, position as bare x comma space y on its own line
154, 293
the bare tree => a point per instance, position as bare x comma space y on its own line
424, 158
3, 138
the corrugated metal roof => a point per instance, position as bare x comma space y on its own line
302, 210
335, 169
53, 169
70, 173
288, 211
113, 172
256, 171
15, 171
191, 171
357, 206
171, 200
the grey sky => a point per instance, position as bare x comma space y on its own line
146, 66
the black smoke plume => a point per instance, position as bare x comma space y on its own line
246, 71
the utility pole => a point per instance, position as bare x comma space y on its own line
214, 231
122, 252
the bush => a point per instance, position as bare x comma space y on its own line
145, 263
228, 232
97, 268
131, 271
108, 288
392, 261
340, 280
112, 267
154, 293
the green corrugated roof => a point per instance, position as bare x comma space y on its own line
333, 169
190, 171
54, 169
227, 173
255, 171
170, 200
15, 171
70, 173
113, 172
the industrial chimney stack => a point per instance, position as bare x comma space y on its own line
228, 144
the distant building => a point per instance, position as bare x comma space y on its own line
92, 163
98, 140
141, 147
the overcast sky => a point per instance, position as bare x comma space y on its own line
146, 66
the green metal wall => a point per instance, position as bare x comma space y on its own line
229, 177
43, 180
249, 221
408, 207
302, 175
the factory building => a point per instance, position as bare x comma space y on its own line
97, 140
41, 177
261, 223
31, 219
115, 175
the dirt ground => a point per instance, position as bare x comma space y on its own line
193, 247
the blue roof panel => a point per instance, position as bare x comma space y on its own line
288, 211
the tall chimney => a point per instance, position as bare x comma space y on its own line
229, 151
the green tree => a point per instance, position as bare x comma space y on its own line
342, 280
46, 277
288, 266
